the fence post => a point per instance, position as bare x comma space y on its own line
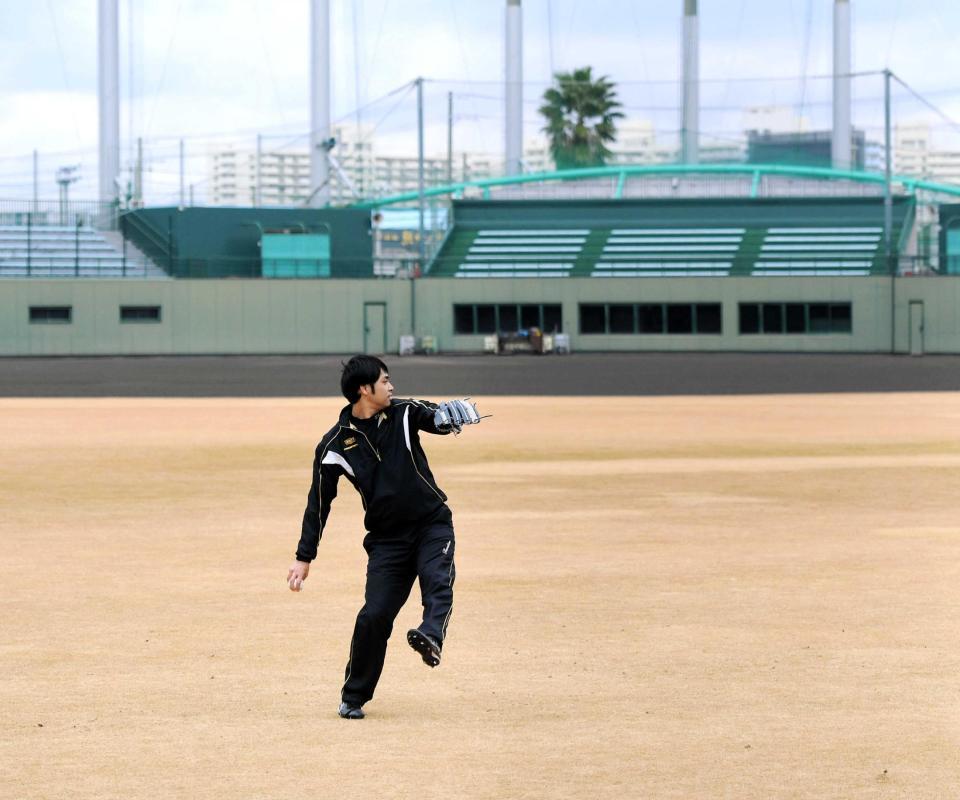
76, 249
170, 246
29, 243
122, 225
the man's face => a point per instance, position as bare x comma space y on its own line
382, 392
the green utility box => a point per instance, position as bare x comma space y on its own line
295, 255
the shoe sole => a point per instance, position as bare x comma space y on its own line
352, 714
427, 650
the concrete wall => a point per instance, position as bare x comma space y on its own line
219, 316
870, 298
940, 298
327, 316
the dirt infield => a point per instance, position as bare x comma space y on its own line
622, 374
726, 597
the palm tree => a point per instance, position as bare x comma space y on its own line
581, 116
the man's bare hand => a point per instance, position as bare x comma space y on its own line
297, 574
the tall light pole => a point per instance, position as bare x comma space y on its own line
840, 142
690, 124
513, 88
108, 93
319, 101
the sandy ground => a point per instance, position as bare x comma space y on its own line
743, 597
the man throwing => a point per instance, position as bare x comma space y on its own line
375, 445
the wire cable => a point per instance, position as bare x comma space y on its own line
550, 34
805, 55
734, 51
355, 22
63, 66
267, 61
893, 31
671, 81
938, 111
166, 62
462, 48
376, 47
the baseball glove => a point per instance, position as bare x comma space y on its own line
452, 415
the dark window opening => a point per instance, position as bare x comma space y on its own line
796, 318
621, 319
709, 318
593, 319
749, 318
508, 320
679, 318
772, 318
819, 318
841, 318
51, 314
140, 313
552, 319
486, 319
529, 317
650, 318
463, 319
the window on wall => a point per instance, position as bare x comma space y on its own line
552, 319
709, 318
52, 315
530, 317
463, 319
679, 318
506, 317
593, 319
140, 313
622, 318
795, 318
647, 318
486, 319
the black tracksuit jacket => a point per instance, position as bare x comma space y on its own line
383, 459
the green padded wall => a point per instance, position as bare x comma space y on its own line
223, 242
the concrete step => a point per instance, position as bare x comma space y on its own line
47, 252
60, 255
85, 271
54, 230
53, 251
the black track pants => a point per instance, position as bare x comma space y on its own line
392, 567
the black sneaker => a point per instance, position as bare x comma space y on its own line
351, 711
428, 649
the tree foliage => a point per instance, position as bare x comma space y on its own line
581, 114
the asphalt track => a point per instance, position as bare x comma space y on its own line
623, 374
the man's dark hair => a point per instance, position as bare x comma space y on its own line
360, 371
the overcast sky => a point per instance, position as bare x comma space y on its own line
200, 68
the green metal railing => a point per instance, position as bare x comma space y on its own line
55, 213
756, 171
156, 245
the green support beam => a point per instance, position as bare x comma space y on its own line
618, 194
622, 172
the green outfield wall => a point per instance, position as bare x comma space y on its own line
225, 242
133, 317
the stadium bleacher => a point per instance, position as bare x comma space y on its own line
66, 251
797, 239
